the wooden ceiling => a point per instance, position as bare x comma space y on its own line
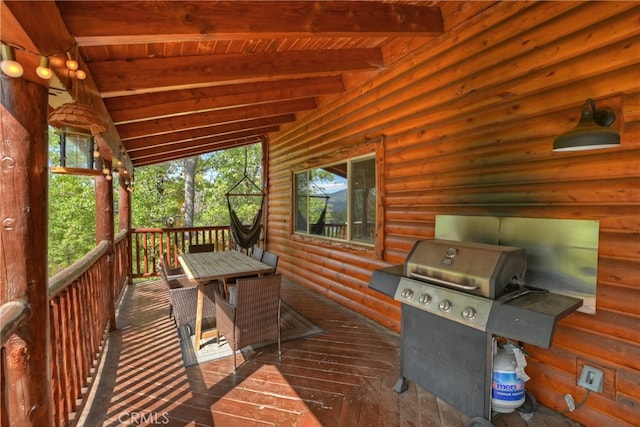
173, 79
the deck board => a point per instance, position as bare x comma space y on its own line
343, 377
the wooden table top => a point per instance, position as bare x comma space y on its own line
206, 266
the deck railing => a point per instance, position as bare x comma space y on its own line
12, 315
80, 310
81, 307
148, 244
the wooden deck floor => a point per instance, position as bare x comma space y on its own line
343, 377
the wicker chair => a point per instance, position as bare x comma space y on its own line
256, 253
255, 317
185, 304
183, 296
168, 272
172, 277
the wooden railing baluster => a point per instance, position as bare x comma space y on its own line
173, 242
79, 305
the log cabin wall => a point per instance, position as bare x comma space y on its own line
468, 121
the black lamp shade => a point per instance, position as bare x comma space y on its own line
592, 131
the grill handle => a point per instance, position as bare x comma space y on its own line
443, 282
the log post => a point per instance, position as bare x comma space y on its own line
104, 231
124, 222
23, 248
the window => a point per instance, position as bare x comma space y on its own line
338, 201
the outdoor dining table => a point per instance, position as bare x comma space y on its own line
205, 267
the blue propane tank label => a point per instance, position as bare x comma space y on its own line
507, 387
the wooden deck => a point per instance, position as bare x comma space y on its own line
343, 377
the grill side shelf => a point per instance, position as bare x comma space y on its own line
531, 318
386, 280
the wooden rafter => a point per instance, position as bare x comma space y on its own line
170, 124
161, 104
199, 133
180, 77
100, 23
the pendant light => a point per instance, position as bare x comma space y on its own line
43, 71
9, 65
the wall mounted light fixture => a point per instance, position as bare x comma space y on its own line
592, 131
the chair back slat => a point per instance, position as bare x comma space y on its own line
204, 247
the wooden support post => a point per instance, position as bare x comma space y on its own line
104, 231
124, 222
23, 248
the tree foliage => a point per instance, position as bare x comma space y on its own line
159, 189
158, 199
72, 214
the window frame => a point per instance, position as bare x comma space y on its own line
368, 149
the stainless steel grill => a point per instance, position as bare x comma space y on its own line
456, 297
459, 280
474, 268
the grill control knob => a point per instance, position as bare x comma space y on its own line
425, 299
469, 313
407, 293
445, 305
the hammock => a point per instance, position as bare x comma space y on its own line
245, 236
318, 226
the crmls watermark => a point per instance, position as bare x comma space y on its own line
143, 418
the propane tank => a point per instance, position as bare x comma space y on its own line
507, 387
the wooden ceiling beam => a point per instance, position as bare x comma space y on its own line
177, 155
128, 22
192, 121
163, 104
49, 36
197, 144
122, 77
209, 131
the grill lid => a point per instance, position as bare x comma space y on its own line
476, 268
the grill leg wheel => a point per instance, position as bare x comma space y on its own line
401, 385
480, 422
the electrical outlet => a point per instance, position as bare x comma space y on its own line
609, 383
591, 378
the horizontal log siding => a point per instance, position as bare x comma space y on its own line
469, 121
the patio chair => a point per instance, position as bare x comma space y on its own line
271, 259
168, 271
185, 304
257, 253
255, 316
172, 277
183, 296
202, 247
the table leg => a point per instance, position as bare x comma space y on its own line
199, 314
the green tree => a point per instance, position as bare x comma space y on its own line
72, 214
159, 191
158, 196
221, 171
